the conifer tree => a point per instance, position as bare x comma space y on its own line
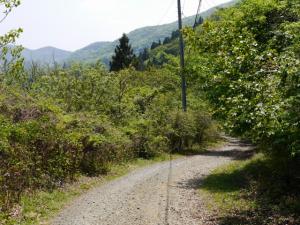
123, 56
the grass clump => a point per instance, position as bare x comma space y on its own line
256, 191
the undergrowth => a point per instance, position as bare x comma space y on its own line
39, 206
258, 191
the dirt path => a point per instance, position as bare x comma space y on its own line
161, 194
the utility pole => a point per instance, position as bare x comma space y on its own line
182, 73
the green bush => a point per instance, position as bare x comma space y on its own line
58, 121
34, 154
189, 129
245, 60
83, 119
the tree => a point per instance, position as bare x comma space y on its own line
8, 5
145, 54
200, 21
249, 72
167, 40
155, 44
124, 56
11, 62
175, 34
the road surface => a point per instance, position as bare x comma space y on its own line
161, 194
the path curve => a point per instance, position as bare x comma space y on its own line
161, 194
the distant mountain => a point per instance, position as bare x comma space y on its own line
144, 37
140, 38
92, 52
46, 55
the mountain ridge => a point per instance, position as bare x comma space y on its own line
140, 38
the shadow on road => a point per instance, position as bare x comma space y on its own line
235, 154
277, 200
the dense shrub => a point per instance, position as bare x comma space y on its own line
246, 61
189, 129
56, 122
34, 153
83, 119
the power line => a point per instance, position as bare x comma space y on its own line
198, 12
212, 4
183, 6
166, 12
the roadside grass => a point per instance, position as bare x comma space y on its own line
40, 206
257, 191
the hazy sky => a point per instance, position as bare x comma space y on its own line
73, 24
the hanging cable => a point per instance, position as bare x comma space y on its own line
183, 6
166, 12
197, 14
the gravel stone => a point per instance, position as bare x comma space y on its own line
161, 194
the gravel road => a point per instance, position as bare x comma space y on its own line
161, 194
